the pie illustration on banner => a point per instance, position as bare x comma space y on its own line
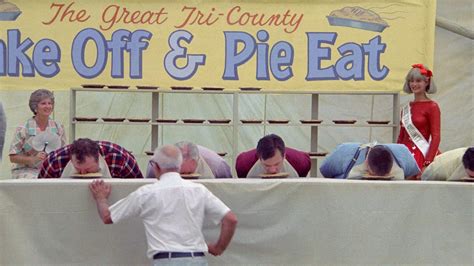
357, 17
8, 11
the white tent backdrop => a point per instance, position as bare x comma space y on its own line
452, 73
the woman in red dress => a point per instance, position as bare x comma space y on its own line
421, 118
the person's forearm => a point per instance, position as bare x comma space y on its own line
103, 209
229, 223
22, 159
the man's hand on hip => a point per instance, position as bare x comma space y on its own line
214, 249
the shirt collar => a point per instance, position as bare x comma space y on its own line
369, 145
170, 176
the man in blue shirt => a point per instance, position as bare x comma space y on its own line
356, 161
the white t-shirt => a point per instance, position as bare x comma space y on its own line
446, 166
172, 211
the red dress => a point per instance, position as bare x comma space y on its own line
426, 117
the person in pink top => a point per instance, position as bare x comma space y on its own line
421, 118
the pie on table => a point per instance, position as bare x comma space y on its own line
271, 176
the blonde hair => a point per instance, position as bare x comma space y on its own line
415, 73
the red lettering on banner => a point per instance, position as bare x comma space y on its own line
114, 14
68, 14
288, 20
198, 17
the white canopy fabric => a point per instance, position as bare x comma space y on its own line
452, 73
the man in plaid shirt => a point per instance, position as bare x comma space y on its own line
86, 156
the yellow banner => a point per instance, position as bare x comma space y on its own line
287, 45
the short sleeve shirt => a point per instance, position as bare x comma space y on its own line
173, 211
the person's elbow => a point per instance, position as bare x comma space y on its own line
325, 171
230, 219
106, 218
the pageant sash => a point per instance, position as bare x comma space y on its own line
415, 135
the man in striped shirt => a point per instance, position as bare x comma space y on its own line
85, 156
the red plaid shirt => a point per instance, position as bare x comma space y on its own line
121, 163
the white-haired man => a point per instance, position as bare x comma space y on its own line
168, 206
203, 161
199, 160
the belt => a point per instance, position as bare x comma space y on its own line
168, 255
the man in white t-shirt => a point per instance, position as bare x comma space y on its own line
453, 165
172, 211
